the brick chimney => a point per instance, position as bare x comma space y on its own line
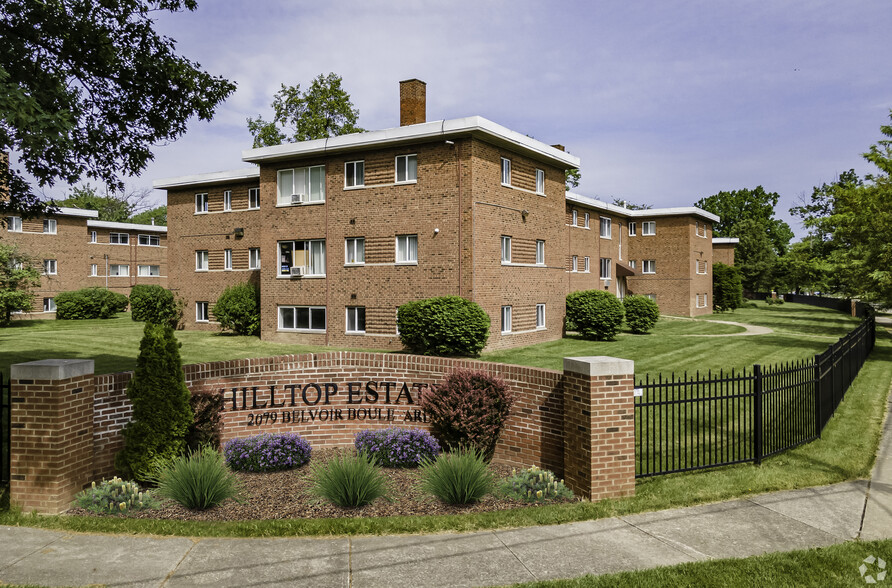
413, 102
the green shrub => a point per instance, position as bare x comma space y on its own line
773, 301
115, 496
468, 409
160, 400
597, 314
238, 309
198, 480
642, 313
459, 477
447, 325
727, 287
535, 485
89, 303
349, 480
207, 424
153, 304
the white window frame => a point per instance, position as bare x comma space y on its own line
145, 271
355, 311
49, 305
697, 299
227, 259
14, 224
253, 198
632, 263
705, 268
94, 270
586, 218
202, 258
354, 174
227, 200
606, 227
605, 271
633, 228
122, 269
119, 238
309, 246
575, 217
147, 240
201, 203
401, 164
540, 316
353, 253
50, 267
506, 171
202, 312
540, 252
284, 193
254, 258
506, 249
408, 239
310, 311
49, 226
94, 237
540, 182
648, 266
586, 264
648, 228
505, 326
574, 263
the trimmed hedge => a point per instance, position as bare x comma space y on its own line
446, 325
154, 304
727, 287
89, 303
642, 313
597, 314
238, 309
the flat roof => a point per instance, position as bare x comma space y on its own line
725, 240
471, 126
643, 213
68, 211
126, 226
220, 177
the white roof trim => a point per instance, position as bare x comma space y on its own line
441, 129
126, 226
646, 213
68, 211
725, 240
208, 178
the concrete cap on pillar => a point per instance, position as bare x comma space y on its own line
599, 365
51, 369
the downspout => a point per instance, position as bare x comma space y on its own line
460, 213
327, 275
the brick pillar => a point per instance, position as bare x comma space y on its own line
51, 442
599, 426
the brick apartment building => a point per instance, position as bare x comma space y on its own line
339, 232
75, 250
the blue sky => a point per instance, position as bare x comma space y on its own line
664, 102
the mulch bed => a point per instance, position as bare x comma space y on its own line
286, 495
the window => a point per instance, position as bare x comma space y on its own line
407, 248
148, 270
300, 185
119, 238
701, 229
356, 319
201, 312
151, 240
701, 301
201, 203
586, 225
652, 297
540, 316
632, 263
303, 318
253, 198
506, 172
701, 266
93, 237
575, 220
540, 182
94, 269
605, 268
119, 269
354, 174
649, 228
49, 226
506, 249
633, 227
354, 250
14, 224
605, 227
227, 200
307, 255
49, 267
16, 264
648, 266
540, 252
254, 258
586, 264
201, 261
574, 263
406, 168
506, 319
49, 305
227, 259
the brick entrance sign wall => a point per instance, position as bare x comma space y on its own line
578, 423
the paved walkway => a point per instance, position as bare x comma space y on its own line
781, 521
750, 329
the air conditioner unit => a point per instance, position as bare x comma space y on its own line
297, 198
298, 271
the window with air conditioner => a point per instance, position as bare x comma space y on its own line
119, 270
148, 270
302, 258
301, 185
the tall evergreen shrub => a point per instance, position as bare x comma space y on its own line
445, 325
597, 314
727, 287
161, 412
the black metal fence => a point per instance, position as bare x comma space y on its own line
701, 421
5, 425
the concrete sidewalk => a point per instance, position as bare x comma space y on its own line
781, 521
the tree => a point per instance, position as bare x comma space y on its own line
87, 88
154, 216
727, 288
324, 110
817, 209
631, 205
18, 277
802, 268
572, 178
115, 207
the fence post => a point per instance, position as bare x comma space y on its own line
818, 396
757, 416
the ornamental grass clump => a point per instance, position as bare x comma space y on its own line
198, 480
458, 477
535, 485
397, 448
267, 452
349, 480
115, 496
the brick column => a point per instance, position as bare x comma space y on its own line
599, 426
51, 446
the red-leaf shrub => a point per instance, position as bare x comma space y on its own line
468, 409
